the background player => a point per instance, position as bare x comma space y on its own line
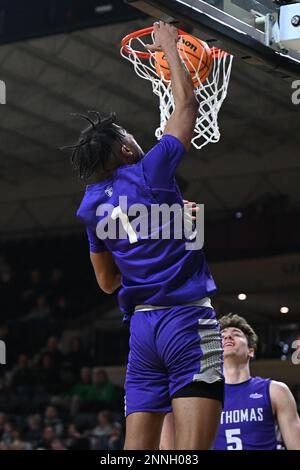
254, 407
175, 345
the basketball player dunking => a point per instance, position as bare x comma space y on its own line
175, 358
255, 409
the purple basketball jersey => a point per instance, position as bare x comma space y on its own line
247, 420
159, 272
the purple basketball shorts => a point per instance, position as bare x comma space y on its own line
169, 349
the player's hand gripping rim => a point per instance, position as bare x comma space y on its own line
165, 36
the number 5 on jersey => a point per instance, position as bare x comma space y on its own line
233, 442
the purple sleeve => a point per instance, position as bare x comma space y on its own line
161, 162
96, 245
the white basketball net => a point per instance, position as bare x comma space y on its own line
210, 94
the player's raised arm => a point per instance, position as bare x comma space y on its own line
285, 409
182, 121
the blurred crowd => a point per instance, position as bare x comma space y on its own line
56, 400
48, 431
53, 394
36, 303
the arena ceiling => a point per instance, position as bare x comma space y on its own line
49, 78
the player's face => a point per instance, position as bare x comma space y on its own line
235, 344
134, 146
131, 149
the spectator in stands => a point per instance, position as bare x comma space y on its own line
101, 433
33, 433
81, 391
3, 421
52, 419
61, 309
22, 379
75, 440
116, 440
4, 331
7, 435
57, 444
34, 287
9, 298
4, 266
52, 348
107, 435
35, 325
40, 311
47, 439
56, 285
83, 388
102, 390
48, 377
7, 334
77, 356
19, 444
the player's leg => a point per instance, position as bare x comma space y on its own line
143, 430
191, 435
196, 422
147, 396
191, 344
167, 437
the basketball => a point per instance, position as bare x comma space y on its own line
195, 54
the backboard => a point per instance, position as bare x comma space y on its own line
234, 25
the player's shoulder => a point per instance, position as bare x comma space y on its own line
167, 143
95, 194
84, 206
279, 387
279, 393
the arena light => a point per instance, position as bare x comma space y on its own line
242, 296
284, 310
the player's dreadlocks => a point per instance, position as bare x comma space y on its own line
95, 146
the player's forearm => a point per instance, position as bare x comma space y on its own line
182, 83
106, 271
292, 436
109, 283
114, 282
111, 279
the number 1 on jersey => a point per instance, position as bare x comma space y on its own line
117, 213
